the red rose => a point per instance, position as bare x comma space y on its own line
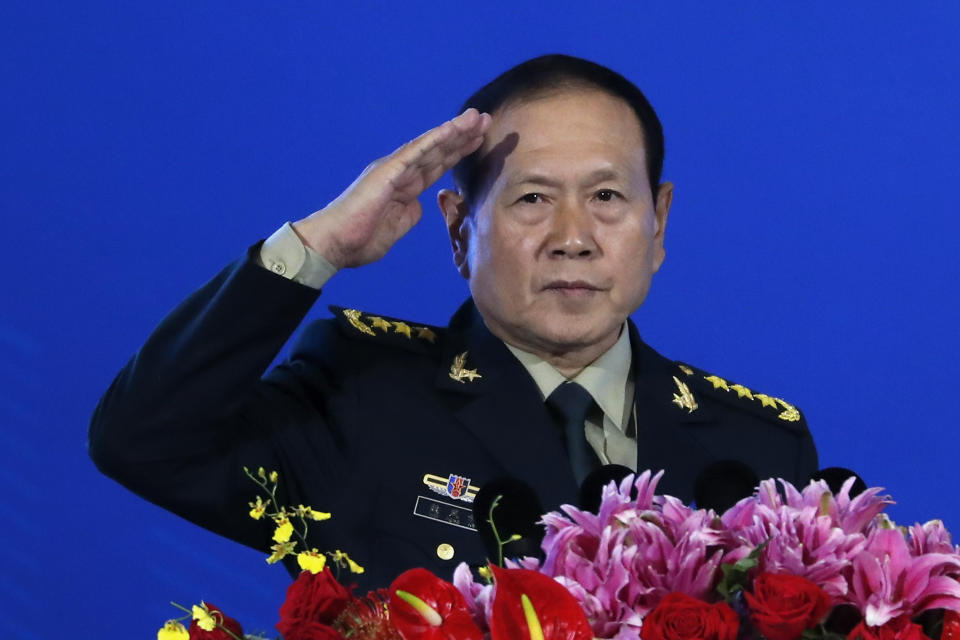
301, 629
681, 617
951, 625
782, 606
897, 629
196, 633
313, 599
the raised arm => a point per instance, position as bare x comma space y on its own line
190, 408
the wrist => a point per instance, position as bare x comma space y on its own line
312, 233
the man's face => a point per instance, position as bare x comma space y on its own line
564, 237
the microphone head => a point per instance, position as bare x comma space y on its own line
591, 491
517, 512
836, 476
723, 483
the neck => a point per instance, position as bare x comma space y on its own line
568, 361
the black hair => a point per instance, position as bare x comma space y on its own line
557, 72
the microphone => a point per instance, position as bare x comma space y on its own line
591, 491
836, 476
724, 483
517, 512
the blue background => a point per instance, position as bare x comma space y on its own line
811, 250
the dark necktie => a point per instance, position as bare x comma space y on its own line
570, 403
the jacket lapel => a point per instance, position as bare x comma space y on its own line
664, 430
503, 408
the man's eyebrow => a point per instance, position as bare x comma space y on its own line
601, 175
532, 178
594, 177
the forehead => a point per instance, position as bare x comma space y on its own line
564, 130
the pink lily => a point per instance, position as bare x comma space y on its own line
888, 581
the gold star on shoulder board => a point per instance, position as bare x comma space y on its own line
684, 399
742, 391
353, 317
687, 370
379, 323
459, 373
717, 382
426, 334
402, 328
765, 400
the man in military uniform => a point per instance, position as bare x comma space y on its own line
557, 224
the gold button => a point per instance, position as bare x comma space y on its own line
445, 551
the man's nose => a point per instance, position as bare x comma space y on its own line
572, 235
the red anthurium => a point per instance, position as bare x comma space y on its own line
531, 606
424, 607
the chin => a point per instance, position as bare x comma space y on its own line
572, 335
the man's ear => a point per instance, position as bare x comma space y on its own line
457, 216
661, 211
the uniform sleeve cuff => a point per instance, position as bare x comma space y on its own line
285, 254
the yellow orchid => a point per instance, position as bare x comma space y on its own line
341, 558
280, 551
310, 514
283, 531
258, 508
173, 630
312, 561
202, 615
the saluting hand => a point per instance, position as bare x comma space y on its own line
381, 205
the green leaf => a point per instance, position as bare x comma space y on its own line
735, 574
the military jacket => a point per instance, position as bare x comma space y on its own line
390, 425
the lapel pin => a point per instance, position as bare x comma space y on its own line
453, 486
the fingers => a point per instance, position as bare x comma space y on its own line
432, 172
444, 146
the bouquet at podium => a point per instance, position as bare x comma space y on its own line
782, 564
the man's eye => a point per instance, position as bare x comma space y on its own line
606, 195
531, 198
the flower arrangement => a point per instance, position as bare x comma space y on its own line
783, 564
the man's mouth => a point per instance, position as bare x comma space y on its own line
572, 287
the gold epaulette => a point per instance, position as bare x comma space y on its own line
762, 404
360, 324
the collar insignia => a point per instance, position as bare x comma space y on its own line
459, 373
684, 399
